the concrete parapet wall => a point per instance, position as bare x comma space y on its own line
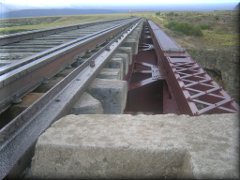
146, 146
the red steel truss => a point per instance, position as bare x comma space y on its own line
195, 91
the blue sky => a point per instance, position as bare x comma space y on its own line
23, 4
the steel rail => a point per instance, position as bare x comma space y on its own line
29, 59
8, 39
23, 131
18, 82
195, 91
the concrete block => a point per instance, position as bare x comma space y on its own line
125, 58
111, 93
117, 63
127, 50
110, 73
87, 105
141, 146
133, 40
133, 43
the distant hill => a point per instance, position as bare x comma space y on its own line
54, 12
9, 11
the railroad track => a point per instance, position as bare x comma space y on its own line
32, 49
81, 59
21, 48
39, 40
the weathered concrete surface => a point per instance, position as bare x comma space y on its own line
146, 146
110, 73
132, 42
128, 51
117, 63
87, 105
125, 58
111, 93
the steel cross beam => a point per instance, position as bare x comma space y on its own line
195, 91
150, 69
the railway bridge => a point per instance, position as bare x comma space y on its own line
111, 99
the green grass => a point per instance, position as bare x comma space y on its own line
214, 29
221, 39
204, 26
185, 28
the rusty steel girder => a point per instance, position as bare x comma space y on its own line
145, 80
195, 91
